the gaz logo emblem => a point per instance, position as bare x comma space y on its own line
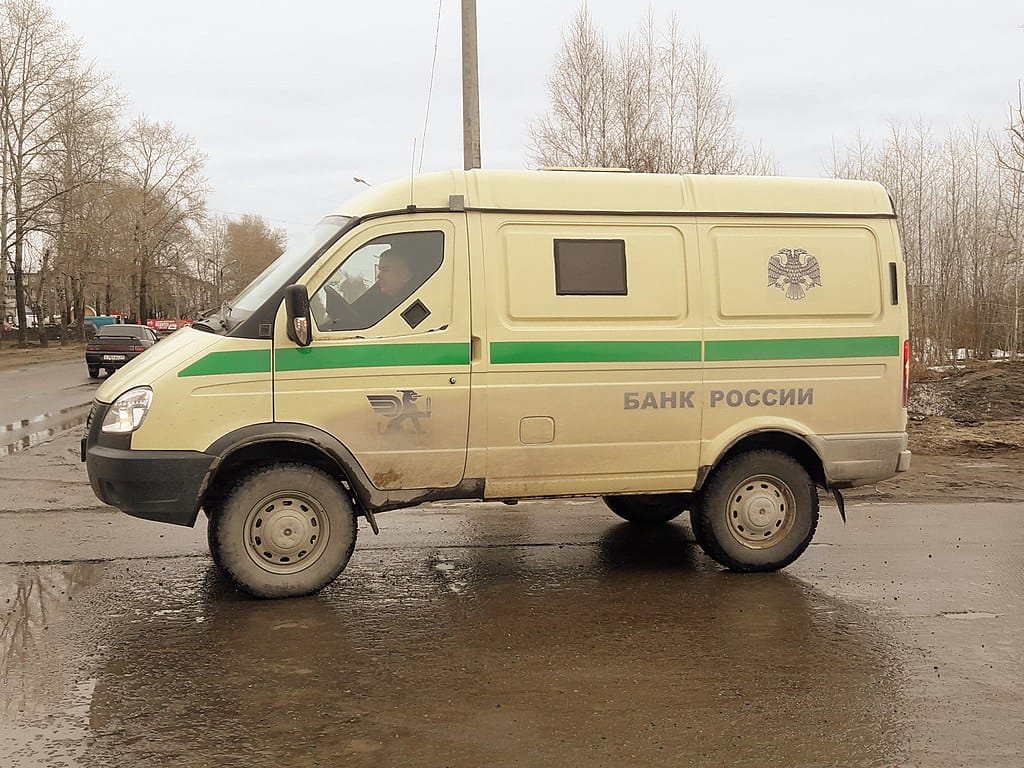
401, 410
796, 275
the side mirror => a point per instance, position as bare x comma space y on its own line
300, 324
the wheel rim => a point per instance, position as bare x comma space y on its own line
761, 512
286, 532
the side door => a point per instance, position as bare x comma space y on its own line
593, 374
387, 372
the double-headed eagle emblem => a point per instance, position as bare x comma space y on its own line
796, 275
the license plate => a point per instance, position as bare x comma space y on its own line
113, 358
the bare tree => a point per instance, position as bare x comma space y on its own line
81, 165
576, 131
99, 215
960, 214
252, 245
36, 55
656, 102
166, 198
1012, 154
712, 145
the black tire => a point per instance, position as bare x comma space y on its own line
212, 511
283, 531
94, 373
758, 512
648, 509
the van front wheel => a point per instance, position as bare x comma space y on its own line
648, 509
283, 531
758, 512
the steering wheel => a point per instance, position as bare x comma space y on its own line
340, 313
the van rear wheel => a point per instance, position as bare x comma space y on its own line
648, 509
283, 531
758, 512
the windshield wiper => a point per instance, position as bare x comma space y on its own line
205, 321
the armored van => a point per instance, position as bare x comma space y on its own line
722, 346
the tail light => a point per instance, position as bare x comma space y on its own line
92, 348
906, 372
138, 349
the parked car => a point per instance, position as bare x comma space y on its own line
114, 345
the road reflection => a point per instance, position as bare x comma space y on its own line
628, 649
33, 598
28, 433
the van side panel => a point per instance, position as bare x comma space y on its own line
592, 372
225, 386
801, 336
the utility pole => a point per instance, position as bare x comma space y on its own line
470, 89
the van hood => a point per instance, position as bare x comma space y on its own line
170, 354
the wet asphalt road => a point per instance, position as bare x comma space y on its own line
40, 400
545, 634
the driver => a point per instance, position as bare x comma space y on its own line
394, 284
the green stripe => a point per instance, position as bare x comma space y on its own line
802, 349
511, 352
238, 361
371, 356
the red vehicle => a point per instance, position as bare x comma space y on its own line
167, 325
114, 345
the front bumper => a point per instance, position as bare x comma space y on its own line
165, 486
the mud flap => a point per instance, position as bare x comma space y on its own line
373, 521
840, 503
364, 511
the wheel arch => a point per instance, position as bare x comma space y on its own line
790, 443
260, 444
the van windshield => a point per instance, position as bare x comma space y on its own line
287, 264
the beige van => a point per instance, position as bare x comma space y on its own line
718, 345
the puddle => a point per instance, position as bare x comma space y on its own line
69, 418
25, 423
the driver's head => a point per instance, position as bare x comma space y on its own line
393, 272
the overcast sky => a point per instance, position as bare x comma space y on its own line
290, 100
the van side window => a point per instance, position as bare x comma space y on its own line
378, 277
590, 267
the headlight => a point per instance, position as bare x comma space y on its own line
128, 411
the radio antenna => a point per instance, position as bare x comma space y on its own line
430, 85
412, 178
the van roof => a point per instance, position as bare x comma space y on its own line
616, 192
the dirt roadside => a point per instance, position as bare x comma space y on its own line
12, 356
966, 435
